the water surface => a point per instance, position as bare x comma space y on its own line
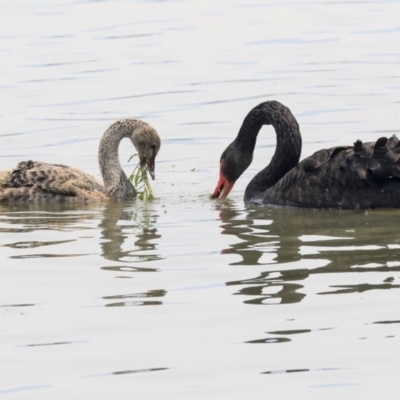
186, 297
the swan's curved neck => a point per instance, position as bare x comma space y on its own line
116, 183
288, 144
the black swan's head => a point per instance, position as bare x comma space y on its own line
233, 163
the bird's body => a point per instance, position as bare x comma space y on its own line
35, 181
38, 181
362, 176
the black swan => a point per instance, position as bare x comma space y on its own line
362, 176
34, 181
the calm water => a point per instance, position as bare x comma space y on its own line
186, 297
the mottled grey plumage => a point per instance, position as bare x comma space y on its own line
362, 176
33, 181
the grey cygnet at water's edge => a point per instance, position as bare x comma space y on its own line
362, 176
37, 181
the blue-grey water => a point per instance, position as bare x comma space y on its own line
186, 297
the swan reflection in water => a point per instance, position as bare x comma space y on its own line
295, 244
120, 222
128, 236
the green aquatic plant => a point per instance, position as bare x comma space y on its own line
140, 181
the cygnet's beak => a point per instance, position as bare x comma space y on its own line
150, 164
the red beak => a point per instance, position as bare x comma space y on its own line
223, 187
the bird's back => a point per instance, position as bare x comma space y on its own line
36, 181
366, 175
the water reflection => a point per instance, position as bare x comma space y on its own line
296, 244
119, 223
118, 220
137, 299
25, 218
124, 233
35, 243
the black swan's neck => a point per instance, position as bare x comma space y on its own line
288, 144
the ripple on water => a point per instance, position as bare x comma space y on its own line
133, 303
24, 388
127, 371
53, 343
33, 244
290, 371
